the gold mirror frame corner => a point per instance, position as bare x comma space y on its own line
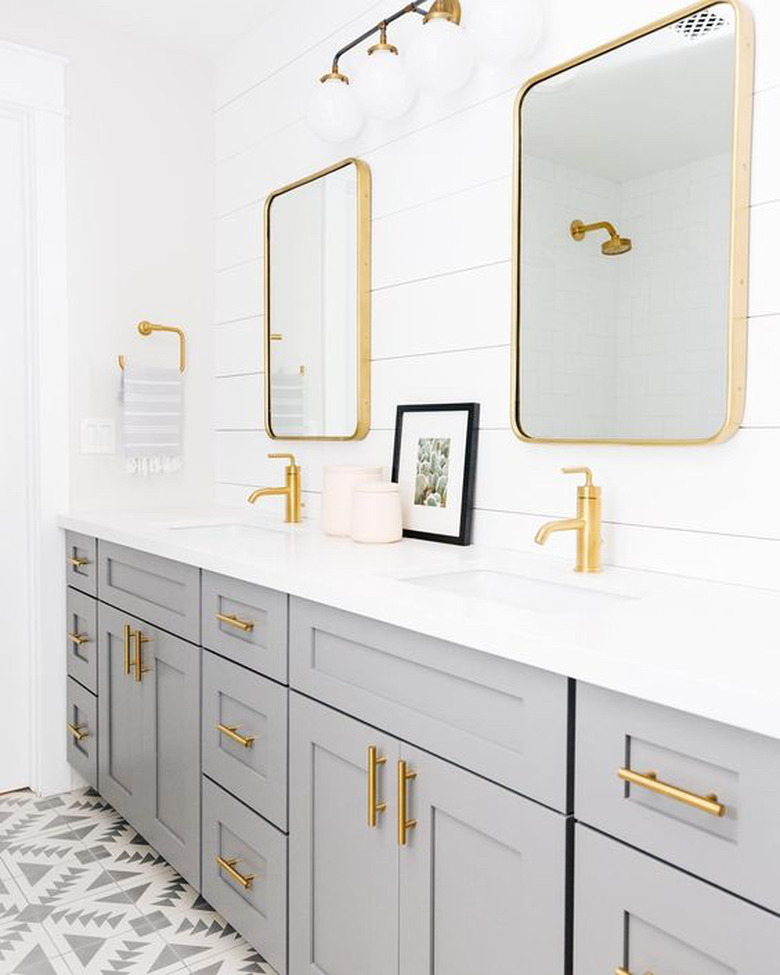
744, 67
363, 200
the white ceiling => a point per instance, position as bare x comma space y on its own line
202, 27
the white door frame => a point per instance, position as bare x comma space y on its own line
32, 84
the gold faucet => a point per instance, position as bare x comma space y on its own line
291, 490
587, 524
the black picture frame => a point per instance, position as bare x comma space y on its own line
466, 520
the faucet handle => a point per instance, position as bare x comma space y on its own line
588, 489
288, 457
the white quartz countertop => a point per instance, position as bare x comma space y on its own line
707, 648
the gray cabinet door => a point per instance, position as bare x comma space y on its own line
482, 877
343, 872
81, 562
635, 914
82, 731
120, 710
81, 638
171, 715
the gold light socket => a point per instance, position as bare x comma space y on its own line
334, 76
382, 44
444, 10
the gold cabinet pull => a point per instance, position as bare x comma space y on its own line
78, 731
651, 782
79, 639
404, 823
229, 866
76, 562
374, 807
231, 731
138, 663
246, 626
127, 635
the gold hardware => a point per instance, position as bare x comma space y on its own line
246, 626
291, 491
335, 76
363, 292
587, 524
404, 823
127, 636
625, 971
231, 731
276, 337
146, 328
76, 562
610, 248
382, 44
444, 10
742, 100
374, 807
650, 781
140, 670
229, 866
79, 639
78, 731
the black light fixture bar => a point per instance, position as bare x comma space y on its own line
410, 8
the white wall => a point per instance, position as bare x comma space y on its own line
442, 250
140, 233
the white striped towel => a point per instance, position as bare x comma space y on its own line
152, 419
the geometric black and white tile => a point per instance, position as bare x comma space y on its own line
82, 893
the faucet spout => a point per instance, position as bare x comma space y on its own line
564, 525
266, 493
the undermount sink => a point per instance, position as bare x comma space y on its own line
516, 590
234, 531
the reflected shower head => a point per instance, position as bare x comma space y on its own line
610, 248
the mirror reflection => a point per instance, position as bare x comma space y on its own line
318, 305
625, 306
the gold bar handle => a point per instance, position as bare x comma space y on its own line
78, 731
404, 823
79, 639
374, 807
127, 636
138, 663
76, 562
229, 866
246, 626
231, 731
650, 781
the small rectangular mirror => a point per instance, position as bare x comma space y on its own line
631, 224
318, 306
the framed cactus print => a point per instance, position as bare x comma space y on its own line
434, 465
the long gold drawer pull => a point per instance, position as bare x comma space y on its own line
374, 807
78, 731
138, 664
127, 635
404, 823
649, 780
76, 562
229, 866
231, 731
246, 626
79, 639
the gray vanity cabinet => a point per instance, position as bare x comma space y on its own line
482, 878
343, 872
634, 915
149, 756
480, 881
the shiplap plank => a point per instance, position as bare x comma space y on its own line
239, 402
239, 292
238, 347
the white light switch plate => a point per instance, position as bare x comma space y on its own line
98, 436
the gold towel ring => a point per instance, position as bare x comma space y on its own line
146, 328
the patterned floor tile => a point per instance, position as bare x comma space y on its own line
35, 854
102, 917
62, 883
123, 955
12, 900
243, 960
131, 862
24, 948
24, 815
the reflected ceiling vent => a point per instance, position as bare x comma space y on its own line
700, 25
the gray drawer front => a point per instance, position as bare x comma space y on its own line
501, 719
81, 562
257, 638
636, 913
234, 832
739, 850
81, 638
256, 708
82, 732
157, 590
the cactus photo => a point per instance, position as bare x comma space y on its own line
433, 464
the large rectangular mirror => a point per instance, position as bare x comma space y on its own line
631, 226
318, 306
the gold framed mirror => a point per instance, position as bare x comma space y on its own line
317, 262
632, 171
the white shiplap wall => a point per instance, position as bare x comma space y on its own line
441, 304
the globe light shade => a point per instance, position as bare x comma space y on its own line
383, 85
440, 56
504, 32
334, 111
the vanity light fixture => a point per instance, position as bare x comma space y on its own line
441, 60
